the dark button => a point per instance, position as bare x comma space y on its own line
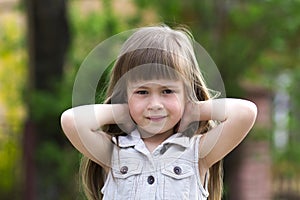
177, 170
163, 150
150, 180
124, 170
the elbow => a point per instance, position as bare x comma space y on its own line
248, 114
252, 111
67, 121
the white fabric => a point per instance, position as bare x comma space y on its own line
173, 165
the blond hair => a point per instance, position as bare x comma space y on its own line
159, 45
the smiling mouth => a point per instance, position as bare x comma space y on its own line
156, 118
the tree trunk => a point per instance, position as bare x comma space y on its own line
48, 39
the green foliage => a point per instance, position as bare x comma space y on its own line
12, 112
89, 30
295, 105
260, 134
281, 28
10, 158
287, 162
59, 171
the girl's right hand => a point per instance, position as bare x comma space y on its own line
123, 119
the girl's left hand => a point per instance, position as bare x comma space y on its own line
191, 114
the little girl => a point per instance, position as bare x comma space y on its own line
159, 134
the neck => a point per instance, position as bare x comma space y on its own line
153, 140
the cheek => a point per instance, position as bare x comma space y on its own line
135, 108
177, 106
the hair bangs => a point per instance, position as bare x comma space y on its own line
153, 71
151, 64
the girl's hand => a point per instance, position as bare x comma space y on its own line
191, 114
123, 119
127, 126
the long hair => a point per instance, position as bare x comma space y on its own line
154, 47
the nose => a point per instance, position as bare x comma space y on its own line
155, 103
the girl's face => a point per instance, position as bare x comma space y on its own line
156, 106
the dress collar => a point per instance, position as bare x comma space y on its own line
134, 138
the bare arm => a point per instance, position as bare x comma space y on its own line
237, 118
82, 126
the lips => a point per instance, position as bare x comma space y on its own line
156, 118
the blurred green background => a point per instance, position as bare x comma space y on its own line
255, 44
